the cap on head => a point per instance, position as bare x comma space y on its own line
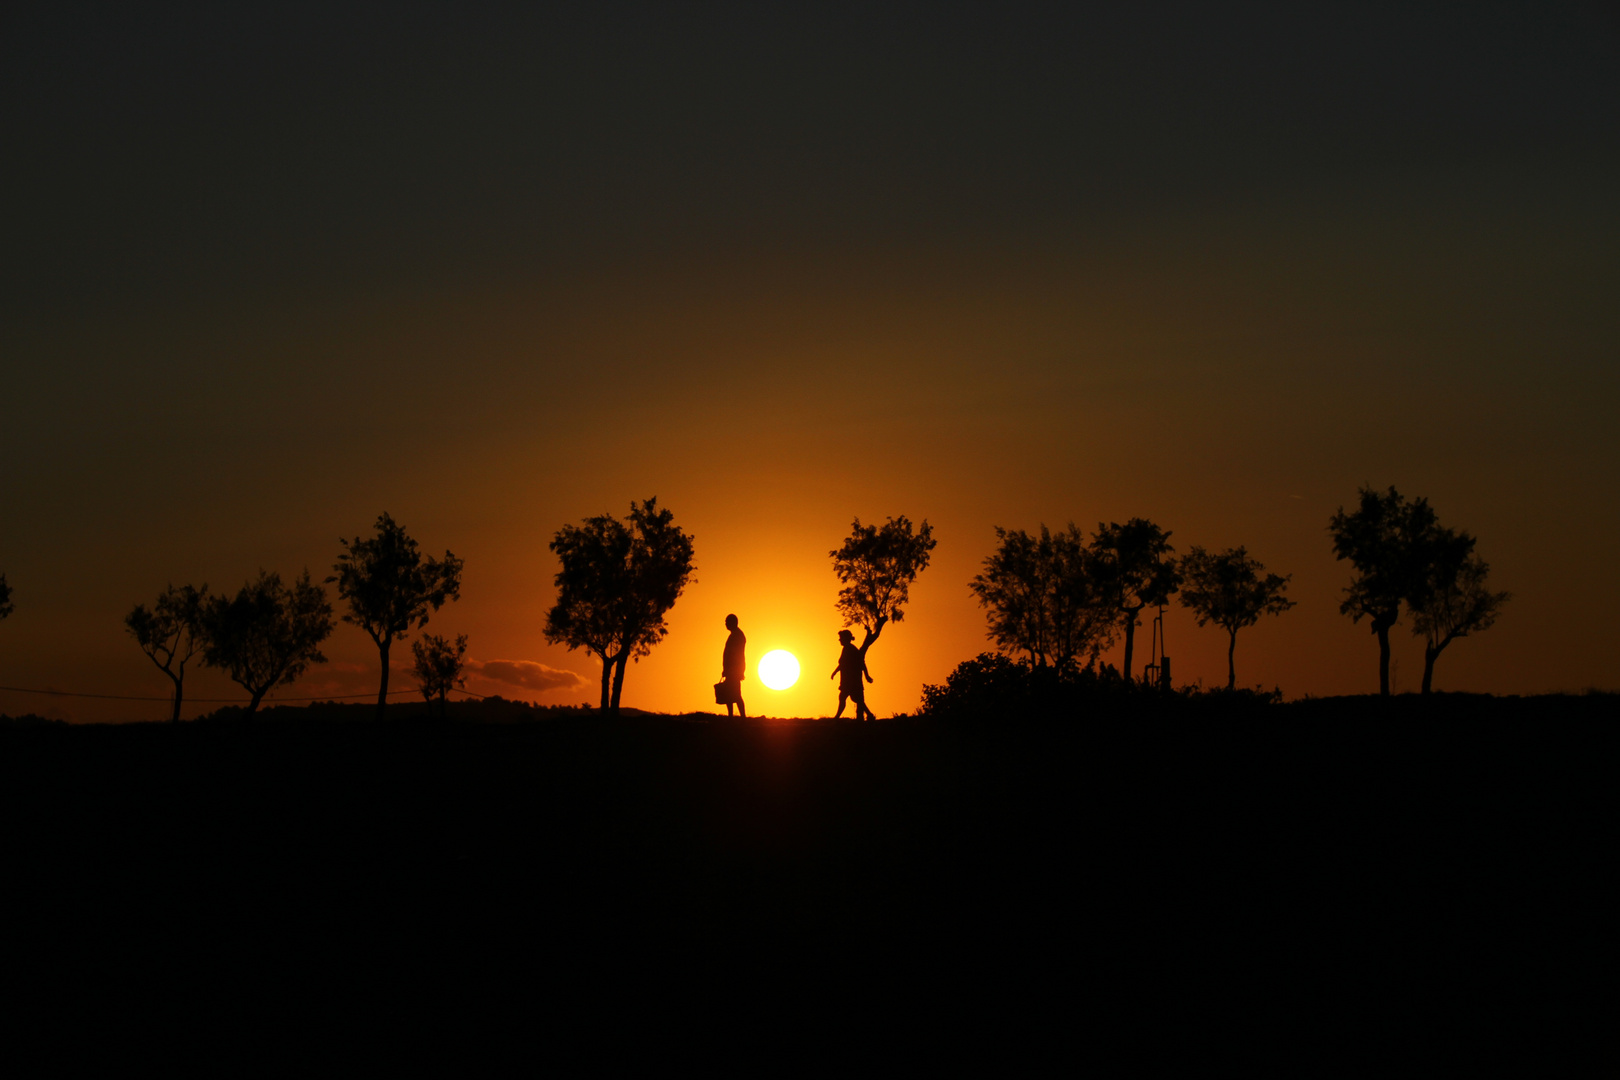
731, 622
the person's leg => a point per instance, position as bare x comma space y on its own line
861, 711
742, 710
842, 697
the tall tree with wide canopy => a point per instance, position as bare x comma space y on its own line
268, 634
391, 588
1384, 540
1134, 571
1227, 588
877, 566
1040, 597
617, 581
1454, 598
170, 633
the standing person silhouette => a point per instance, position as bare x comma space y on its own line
852, 664
734, 667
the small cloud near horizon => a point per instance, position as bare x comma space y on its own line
525, 673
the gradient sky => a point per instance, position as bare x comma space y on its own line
270, 270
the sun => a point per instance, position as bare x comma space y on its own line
779, 669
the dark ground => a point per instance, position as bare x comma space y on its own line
1343, 871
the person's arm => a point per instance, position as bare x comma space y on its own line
865, 670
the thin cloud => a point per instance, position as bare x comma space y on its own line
525, 673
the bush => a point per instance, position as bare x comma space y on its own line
28, 720
993, 687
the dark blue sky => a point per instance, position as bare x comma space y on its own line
246, 146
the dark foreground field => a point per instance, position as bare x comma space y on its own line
1341, 870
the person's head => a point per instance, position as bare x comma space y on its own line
845, 636
731, 622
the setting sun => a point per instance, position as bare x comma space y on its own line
779, 669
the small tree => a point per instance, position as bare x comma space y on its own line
1383, 539
5, 598
170, 633
877, 566
617, 581
1040, 597
391, 588
1454, 599
1227, 589
268, 634
1133, 572
438, 668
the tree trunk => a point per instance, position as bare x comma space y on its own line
618, 679
607, 672
872, 635
382, 691
1383, 660
1431, 653
1130, 639
1231, 667
256, 697
178, 687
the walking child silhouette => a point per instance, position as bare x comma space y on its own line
851, 665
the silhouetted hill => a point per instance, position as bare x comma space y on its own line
490, 710
1334, 868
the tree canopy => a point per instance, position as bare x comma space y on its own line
1453, 598
438, 663
615, 583
390, 588
1133, 570
268, 634
1227, 588
1040, 597
877, 565
171, 632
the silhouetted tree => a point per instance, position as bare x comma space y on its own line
438, 667
5, 598
1453, 599
1383, 539
877, 566
617, 581
170, 633
268, 633
391, 588
1039, 595
1227, 589
1133, 573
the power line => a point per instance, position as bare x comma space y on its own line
217, 701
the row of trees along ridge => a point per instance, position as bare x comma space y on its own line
269, 633
1060, 599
